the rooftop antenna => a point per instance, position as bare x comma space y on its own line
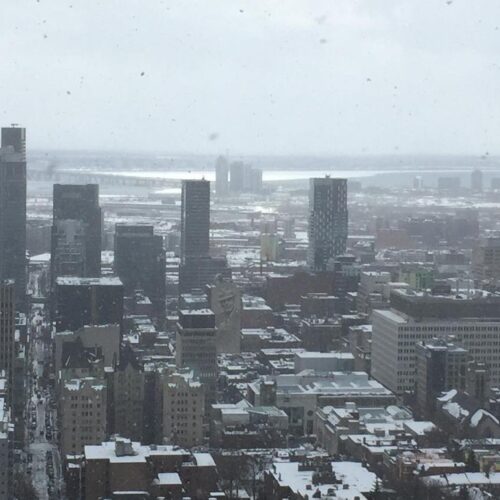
14, 124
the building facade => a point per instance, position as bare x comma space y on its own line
474, 323
195, 219
221, 176
224, 299
440, 366
76, 231
87, 301
196, 347
83, 414
486, 259
328, 219
140, 262
7, 332
126, 385
13, 209
183, 409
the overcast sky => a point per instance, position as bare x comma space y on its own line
251, 77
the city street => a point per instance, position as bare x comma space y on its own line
41, 421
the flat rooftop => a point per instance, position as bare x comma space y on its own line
79, 281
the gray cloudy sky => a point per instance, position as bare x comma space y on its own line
260, 76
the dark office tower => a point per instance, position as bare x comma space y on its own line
13, 209
476, 181
197, 268
237, 177
87, 301
195, 219
140, 262
327, 221
196, 347
76, 231
221, 176
7, 331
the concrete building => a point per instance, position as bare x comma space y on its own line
322, 335
241, 426
255, 339
370, 291
253, 180
224, 299
196, 347
319, 305
125, 469
269, 247
440, 366
221, 176
256, 313
83, 414
126, 402
486, 260
7, 332
331, 424
102, 340
76, 231
140, 262
237, 177
471, 317
6, 441
183, 409
360, 346
317, 477
324, 362
328, 218
197, 272
301, 394
87, 301
13, 209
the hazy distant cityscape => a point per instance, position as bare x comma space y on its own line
249, 250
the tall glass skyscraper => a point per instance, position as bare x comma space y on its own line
328, 219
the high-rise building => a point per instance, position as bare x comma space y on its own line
195, 219
476, 180
252, 180
197, 268
440, 366
328, 218
221, 176
140, 262
7, 332
13, 209
237, 177
76, 231
244, 178
196, 347
87, 301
